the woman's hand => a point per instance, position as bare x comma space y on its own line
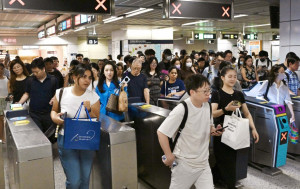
214, 132
87, 105
255, 135
59, 121
171, 94
292, 119
231, 107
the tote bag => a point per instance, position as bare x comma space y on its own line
123, 101
237, 135
81, 134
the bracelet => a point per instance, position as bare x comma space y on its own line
224, 110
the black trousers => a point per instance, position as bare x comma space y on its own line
43, 120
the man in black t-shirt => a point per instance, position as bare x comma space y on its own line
137, 86
50, 69
40, 88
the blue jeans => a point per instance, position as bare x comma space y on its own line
77, 165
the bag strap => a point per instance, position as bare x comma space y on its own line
266, 94
182, 124
210, 109
79, 111
59, 99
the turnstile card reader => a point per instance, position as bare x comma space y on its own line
283, 130
272, 126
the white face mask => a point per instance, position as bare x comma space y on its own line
169, 57
177, 66
241, 62
189, 64
281, 76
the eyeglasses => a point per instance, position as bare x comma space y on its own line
207, 92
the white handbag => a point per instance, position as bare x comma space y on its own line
237, 134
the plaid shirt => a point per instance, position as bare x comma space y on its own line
292, 81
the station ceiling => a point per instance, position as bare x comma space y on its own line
18, 23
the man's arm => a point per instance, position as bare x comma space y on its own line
164, 143
24, 98
147, 95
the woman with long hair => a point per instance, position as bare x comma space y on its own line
173, 86
225, 101
69, 78
154, 80
278, 91
107, 85
77, 164
18, 78
249, 73
186, 69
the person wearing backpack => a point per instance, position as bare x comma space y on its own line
40, 88
291, 76
192, 140
263, 65
275, 89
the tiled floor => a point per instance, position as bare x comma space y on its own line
290, 179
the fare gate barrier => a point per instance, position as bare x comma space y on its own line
272, 126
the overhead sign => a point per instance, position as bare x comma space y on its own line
276, 37
65, 25
250, 36
92, 41
204, 36
82, 19
191, 9
50, 31
76, 6
41, 34
230, 36
150, 41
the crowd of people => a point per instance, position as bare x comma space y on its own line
204, 76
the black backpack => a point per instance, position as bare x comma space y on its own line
182, 124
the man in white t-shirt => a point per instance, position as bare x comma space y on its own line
191, 150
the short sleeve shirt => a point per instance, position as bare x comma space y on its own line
136, 86
171, 88
226, 99
192, 145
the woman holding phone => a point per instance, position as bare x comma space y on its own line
77, 164
224, 102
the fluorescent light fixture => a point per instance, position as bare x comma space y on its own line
193, 23
138, 12
260, 25
112, 19
131, 12
240, 15
79, 29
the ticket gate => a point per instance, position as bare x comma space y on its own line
294, 149
151, 169
171, 102
115, 164
272, 126
29, 153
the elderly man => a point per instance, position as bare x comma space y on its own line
137, 87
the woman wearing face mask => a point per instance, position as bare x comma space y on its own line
278, 92
249, 73
176, 63
173, 86
108, 82
17, 82
238, 68
154, 80
186, 70
165, 64
77, 164
224, 102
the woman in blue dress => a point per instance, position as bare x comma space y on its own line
108, 82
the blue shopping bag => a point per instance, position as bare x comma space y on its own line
81, 134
